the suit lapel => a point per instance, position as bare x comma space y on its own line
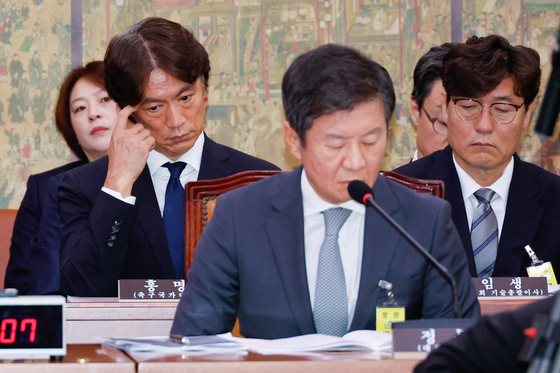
454, 195
286, 239
521, 211
213, 164
150, 221
444, 169
380, 239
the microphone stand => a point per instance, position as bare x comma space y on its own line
550, 106
444, 272
543, 351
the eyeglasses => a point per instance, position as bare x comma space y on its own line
439, 126
470, 109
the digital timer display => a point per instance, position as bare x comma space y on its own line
37, 326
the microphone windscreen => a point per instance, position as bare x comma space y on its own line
358, 190
550, 105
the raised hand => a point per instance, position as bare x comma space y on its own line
128, 152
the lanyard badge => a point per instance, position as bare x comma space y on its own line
539, 268
390, 311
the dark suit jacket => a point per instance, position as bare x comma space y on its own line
44, 253
492, 345
250, 262
26, 226
105, 239
532, 211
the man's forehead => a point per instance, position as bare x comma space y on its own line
345, 135
363, 120
161, 82
505, 91
157, 76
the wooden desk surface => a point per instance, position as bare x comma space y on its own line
109, 318
80, 358
490, 306
343, 362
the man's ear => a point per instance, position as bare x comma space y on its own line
444, 108
414, 112
292, 140
527, 118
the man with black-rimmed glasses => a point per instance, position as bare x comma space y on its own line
500, 203
426, 101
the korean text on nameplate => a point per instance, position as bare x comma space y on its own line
150, 290
510, 286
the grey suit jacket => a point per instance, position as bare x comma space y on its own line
250, 262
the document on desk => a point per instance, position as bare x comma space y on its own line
358, 340
215, 344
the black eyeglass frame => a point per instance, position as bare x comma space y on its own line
434, 120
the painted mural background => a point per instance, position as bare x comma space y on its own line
250, 43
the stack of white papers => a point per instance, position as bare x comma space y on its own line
358, 340
150, 347
219, 344
552, 289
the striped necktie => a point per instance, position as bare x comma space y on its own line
484, 233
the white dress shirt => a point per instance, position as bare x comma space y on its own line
160, 175
350, 240
499, 201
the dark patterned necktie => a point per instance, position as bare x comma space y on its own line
330, 308
174, 216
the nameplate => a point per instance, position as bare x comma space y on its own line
502, 287
150, 290
415, 339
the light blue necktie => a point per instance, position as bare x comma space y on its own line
174, 216
484, 233
330, 308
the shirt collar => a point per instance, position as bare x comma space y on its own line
500, 186
192, 157
313, 204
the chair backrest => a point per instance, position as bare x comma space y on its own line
200, 199
433, 187
7, 218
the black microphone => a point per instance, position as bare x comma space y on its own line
550, 106
362, 193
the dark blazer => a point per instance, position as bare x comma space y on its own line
532, 211
492, 345
26, 226
44, 254
105, 239
250, 262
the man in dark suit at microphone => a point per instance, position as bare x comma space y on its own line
293, 254
121, 216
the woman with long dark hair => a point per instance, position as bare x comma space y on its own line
85, 115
